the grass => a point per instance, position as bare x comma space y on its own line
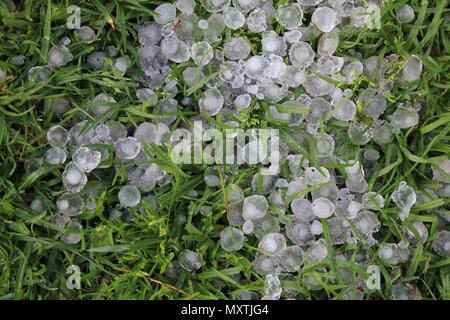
122, 260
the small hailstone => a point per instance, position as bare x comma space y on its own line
17, 60
412, 69
254, 207
59, 56
371, 155
98, 108
242, 101
70, 206
289, 16
129, 196
316, 86
37, 74
247, 295
57, 136
271, 43
248, 227
325, 145
257, 21
353, 208
405, 14
122, 64
441, 171
317, 251
441, 244
393, 254
303, 210
56, 155
292, 36
301, 54
328, 43
323, 208
166, 13
85, 34
330, 64
32, 165
313, 176
291, 259
185, 6
316, 228
382, 132
212, 102
277, 67
352, 71
72, 238
345, 110
256, 66
201, 53
233, 18
300, 233
373, 201
272, 243
2, 74
175, 50
237, 48
366, 223
147, 95
189, 260
268, 224
203, 24
374, 105
245, 5
402, 291
325, 19
38, 206
360, 133
404, 118
97, 60
127, 148
404, 197
273, 287
231, 239
86, 159
214, 6
421, 229
73, 178
235, 194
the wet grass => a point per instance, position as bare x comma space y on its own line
122, 260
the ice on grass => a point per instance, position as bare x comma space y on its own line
233, 18
263, 226
404, 197
70, 205
291, 259
129, 196
256, 66
289, 16
202, 53
247, 295
127, 148
301, 54
235, 194
317, 251
38, 205
231, 239
441, 171
325, 19
273, 44
394, 254
255, 207
272, 288
419, 228
56, 155
242, 101
412, 69
165, 13
211, 102
303, 210
360, 133
323, 208
272, 243
316, 228
189, 260
214, 6
441, 244
86, 159
345, 110
72, 238
175, 50
73, 178
405, 14
404, 118
57, 136
59, 56
248, 227
85, 34
366, 224
257, 21
185, 6
373, 201
405, 291
300, 233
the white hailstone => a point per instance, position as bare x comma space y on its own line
328, 43
314, 176
38, 206
175, 50
192, 75
102, 132
214, 6
316, 86
231, 239
360, 133
245, 5
86, 159
271, 43
404, 197
147, 95
373, 201
316, 228
211, 102
247, 295
59, 56
289, 16
441, 244
272, 288
189, 260
16, 60
366, 223
98, 108
97, 60
331, 192
165, 13
325, 145
441, 171
371, 155
303, 210
292, 36
129, 196
248, 227
166, 106
233, 18
382, 132
272, 243
235, 194
294, 76
56, 155
412, 69
237, 48
185, 6
242, 101
420, 228
116, 130
345, 110
73, 178
325, 19
309, 3
277, 67
203, 24
317, 251
57, 136
148, 133
330, 64
70, 206
257, 21
404, 118
291, 259
323, 208
37, 74
352, 71
149, 33
254, 207
300, 233
72, 238
374, 105
301, 54
201, 53
85, 34
405, 14
256, 66
353, 208
122, 64
127, 148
